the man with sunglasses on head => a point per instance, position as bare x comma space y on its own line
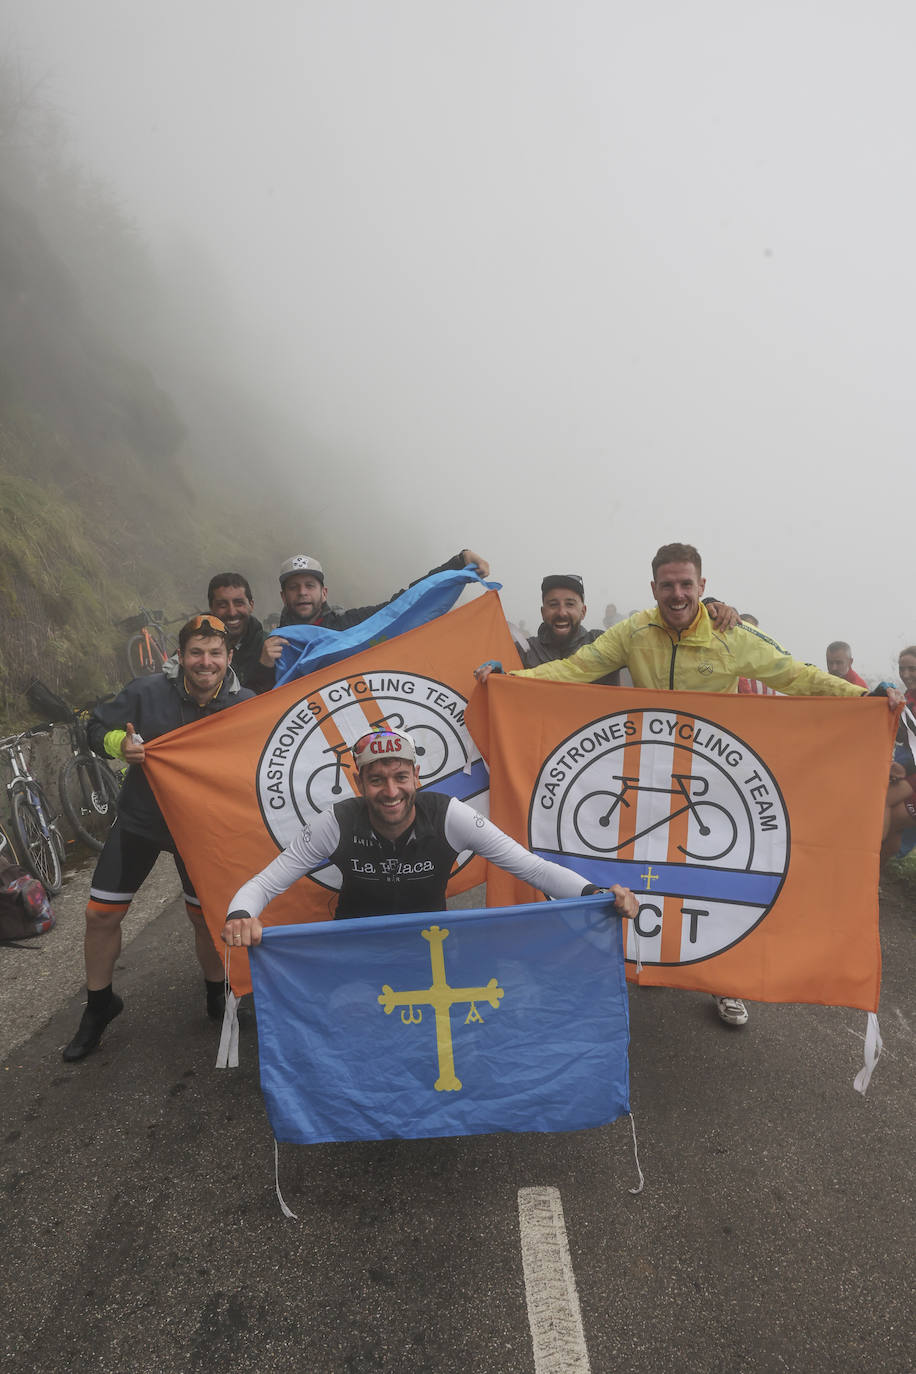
197, 684
394, 846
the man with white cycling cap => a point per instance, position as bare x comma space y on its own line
305, 594
394, 846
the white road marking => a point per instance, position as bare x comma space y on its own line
550, 1285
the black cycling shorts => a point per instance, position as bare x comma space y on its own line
124, 865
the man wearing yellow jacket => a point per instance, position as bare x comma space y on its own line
675, 645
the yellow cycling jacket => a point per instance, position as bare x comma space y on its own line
699, 659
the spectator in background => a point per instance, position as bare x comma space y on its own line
839, 663
906, 665
900, 814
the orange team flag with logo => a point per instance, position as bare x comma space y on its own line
236, 788
748, 827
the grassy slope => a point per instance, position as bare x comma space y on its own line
104, 503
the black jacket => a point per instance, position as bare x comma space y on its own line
154, 706
246, 656
542, 648
342, 620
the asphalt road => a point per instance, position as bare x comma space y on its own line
141, 1229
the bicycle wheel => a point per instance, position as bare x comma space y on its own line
36, 843
8, 851
89, 796
142, 657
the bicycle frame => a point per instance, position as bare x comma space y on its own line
22, 779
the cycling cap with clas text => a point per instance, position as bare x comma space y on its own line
379, 745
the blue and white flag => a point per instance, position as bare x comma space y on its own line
312, 647
444, 1024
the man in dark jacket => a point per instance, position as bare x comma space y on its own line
230, 599
198, 685
561, 632
305, 596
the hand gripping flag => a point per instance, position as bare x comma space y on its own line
748, 827
448, 1024
312, 647
236, 788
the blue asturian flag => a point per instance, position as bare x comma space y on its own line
311, 647
445, 1024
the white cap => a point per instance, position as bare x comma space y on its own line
383, 744
301, 563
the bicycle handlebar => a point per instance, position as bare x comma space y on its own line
13, 740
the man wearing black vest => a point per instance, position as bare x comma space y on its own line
394, 846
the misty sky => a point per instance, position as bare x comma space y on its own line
560, 282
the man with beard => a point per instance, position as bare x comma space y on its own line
253, 655
197, 685
395, 846
305, 595
562, 631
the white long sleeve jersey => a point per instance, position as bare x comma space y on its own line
319, 843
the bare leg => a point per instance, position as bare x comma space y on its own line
102, 943
210, 961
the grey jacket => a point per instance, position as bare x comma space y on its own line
543, 648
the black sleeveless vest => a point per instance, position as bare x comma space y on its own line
385, 876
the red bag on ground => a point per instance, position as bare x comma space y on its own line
25, 910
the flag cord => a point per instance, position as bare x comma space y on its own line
227, 1056
642, 1180
873, 1047
283, 1207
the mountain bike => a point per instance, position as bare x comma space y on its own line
38, 838
149, 646
88, 788
146, 651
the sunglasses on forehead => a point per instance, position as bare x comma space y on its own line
206, 622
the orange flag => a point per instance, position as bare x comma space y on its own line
236, 788
748, 827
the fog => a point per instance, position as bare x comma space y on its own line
557, 282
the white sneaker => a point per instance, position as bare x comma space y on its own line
731, 1010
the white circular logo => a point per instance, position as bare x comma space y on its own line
306, 765
676, 808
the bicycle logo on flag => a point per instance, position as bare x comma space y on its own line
678, 809
306, 765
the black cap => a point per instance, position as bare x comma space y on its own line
571, 580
